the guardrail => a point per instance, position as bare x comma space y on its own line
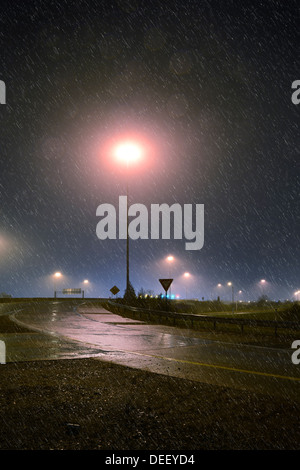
192, 320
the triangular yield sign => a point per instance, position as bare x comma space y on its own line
166, 283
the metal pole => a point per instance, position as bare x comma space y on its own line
170, 278
127, 237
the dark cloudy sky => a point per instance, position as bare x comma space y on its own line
207, 84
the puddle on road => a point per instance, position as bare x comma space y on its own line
36, 347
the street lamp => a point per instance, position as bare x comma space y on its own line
186, 275
127, 152
170, 260
232, 290
262, 283
55, 277
219, 285
296, 294
84, 282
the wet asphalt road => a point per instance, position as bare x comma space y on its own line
58, 333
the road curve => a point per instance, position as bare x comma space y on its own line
95, 332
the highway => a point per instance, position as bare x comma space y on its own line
58, 333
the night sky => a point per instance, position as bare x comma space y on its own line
205, 86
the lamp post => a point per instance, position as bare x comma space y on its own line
56, 276
128, 152
240, 292
186, 275
86, 282
219, 285
296, 294
170, 260
262, 283
232, 292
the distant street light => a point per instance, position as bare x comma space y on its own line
219, 285
262, 283
296, 294
232, 291
128, 152
187, 276
86, 281
170, 260
56, 276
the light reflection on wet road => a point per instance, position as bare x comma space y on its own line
95, 332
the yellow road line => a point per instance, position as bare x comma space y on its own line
216, 366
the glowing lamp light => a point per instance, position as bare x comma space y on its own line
186, 274
128, 152
56, 276
170, 258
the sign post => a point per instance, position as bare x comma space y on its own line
114, 290
166, 284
